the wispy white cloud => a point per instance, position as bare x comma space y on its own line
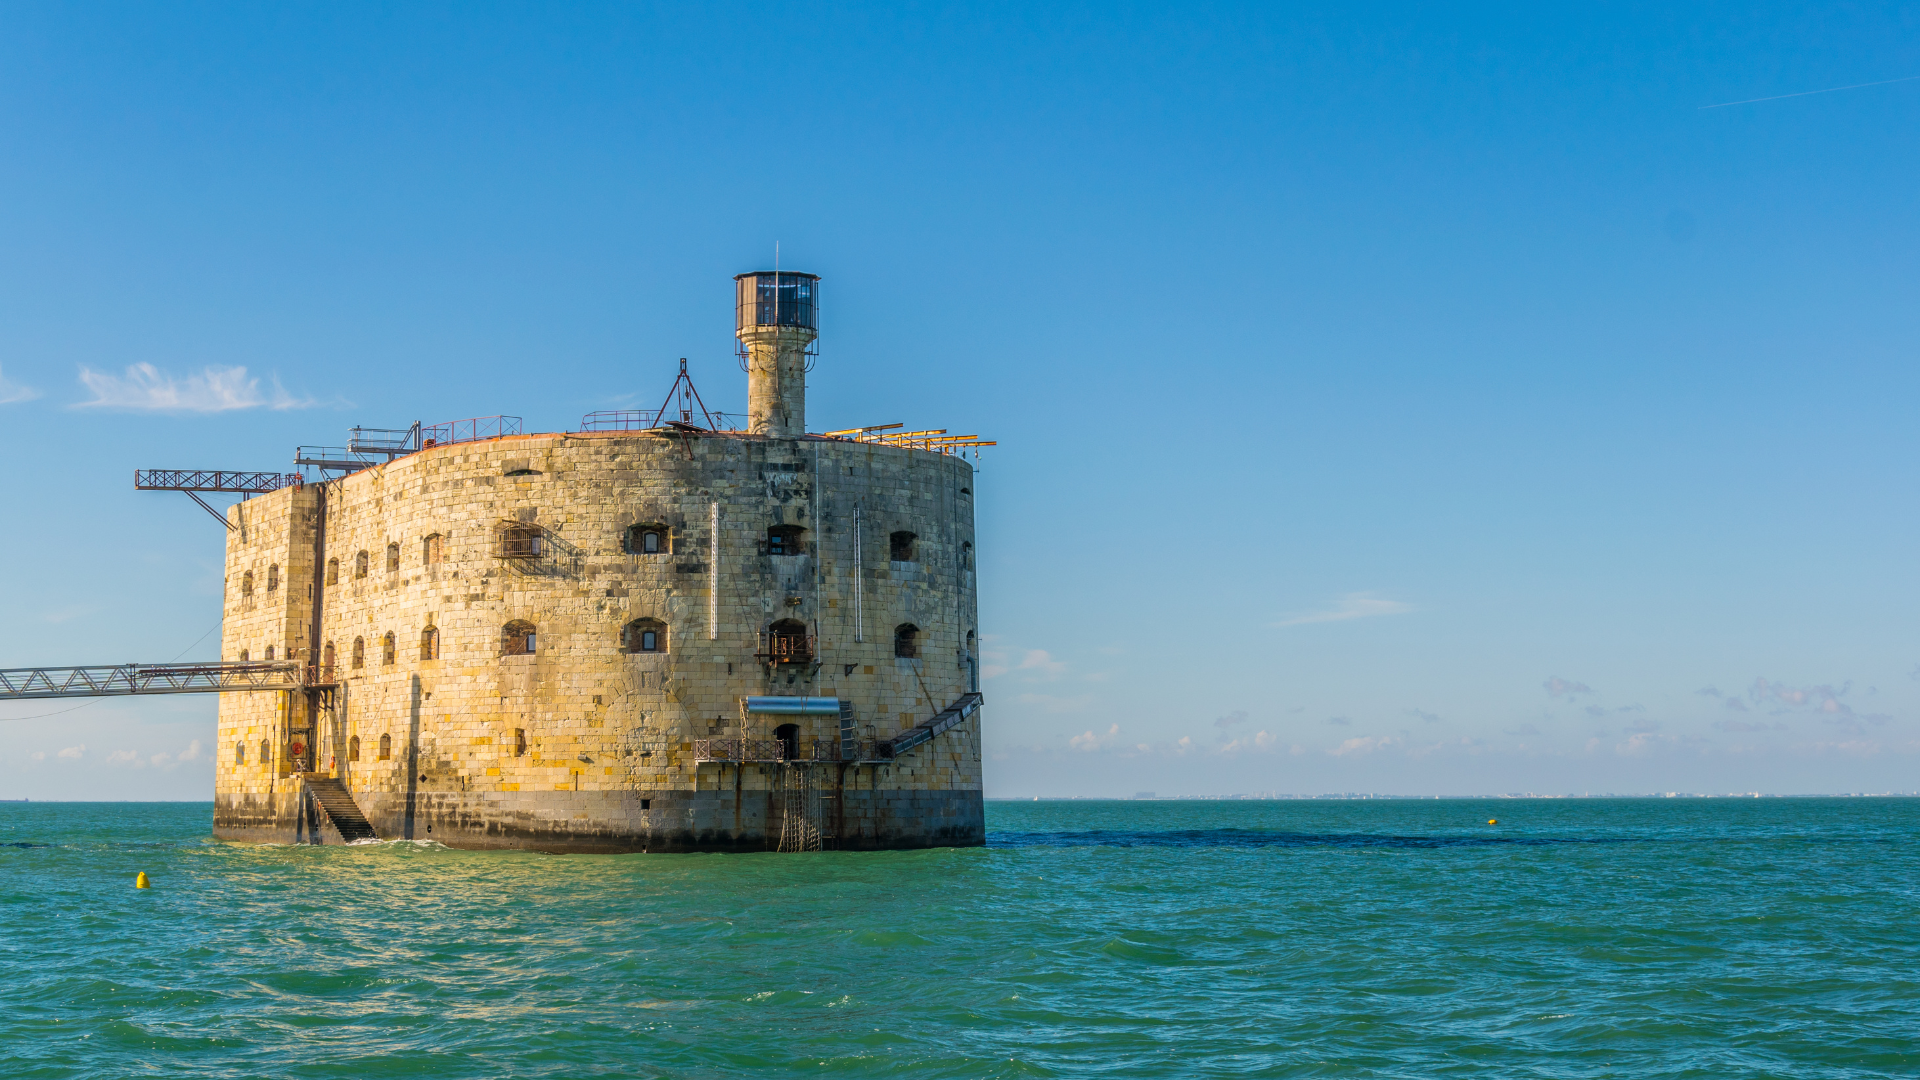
1559, 687
1366, 744
215, 389
1042, 663
1090, 741
73, 753
1359, 605
11, 392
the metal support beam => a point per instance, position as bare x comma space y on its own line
120, 680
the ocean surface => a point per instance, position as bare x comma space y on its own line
1577, 938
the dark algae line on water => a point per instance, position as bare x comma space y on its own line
1576, 938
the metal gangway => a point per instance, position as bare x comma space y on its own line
120, 680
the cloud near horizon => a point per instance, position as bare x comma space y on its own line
1358, 605
146, 388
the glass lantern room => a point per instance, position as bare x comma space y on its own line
767, 298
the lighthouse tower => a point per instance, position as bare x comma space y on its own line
777, 321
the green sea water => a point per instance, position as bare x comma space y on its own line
1577, 938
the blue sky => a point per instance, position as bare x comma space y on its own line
1389, 398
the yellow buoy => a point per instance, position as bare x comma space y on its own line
1491, 821
140, 881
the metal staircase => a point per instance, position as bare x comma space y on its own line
337, 802
943, 720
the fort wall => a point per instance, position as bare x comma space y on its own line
430, 570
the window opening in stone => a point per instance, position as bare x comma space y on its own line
646, 540
269, 652
785, 540
386, 747
900, 546
246, 585
966, 555
359, 653
788, 643
266, 752
524, 472
387, 651
243, 656
433, 550
789, 737
522, 541
430, 643
360, 565
273, 577
240, 753
517, 638
353, 748
333, 571
519, 742
906, 640
393, 558
645, 635
327, 663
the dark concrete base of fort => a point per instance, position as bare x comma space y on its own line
723, 820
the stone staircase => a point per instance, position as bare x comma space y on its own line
337, 801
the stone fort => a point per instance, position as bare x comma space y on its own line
657, 634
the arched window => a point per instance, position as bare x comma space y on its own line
359, 653
246, 585
969, 643
273, 577
900, 546
353, 748
243, 656
386, 747
433, 550
240, 753
646, 540
269, 652
785, 540
393, 558
519, 742
789, 739
333, 571
966, 555
388, 654
430, 643
327, 655
906, 640
360, 565
644, 635
788, 643
516, 638
266, 752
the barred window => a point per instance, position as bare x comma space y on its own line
430, 643
359, 653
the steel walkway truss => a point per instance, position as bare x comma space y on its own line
118, 680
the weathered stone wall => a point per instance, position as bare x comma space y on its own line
608, 733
